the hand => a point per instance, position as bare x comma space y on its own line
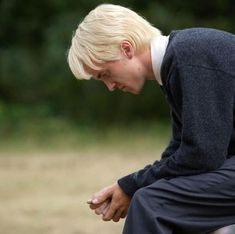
111, 202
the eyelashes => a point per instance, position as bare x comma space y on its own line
104, 75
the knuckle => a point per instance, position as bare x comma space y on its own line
106, 219
97, 212
115, 205
116, 220
92, 207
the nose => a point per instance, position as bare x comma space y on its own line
110, 85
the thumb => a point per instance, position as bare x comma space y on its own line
101, 196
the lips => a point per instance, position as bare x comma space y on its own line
122, 87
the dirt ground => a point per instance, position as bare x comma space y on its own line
46, 192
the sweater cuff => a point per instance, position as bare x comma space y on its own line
128, 184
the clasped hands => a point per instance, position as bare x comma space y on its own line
111, 202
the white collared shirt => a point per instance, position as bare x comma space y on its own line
158, 49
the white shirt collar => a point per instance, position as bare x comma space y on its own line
158, 49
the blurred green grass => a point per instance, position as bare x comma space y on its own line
49, 168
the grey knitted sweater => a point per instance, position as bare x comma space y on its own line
198, 75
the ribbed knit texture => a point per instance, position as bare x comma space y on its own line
198, 74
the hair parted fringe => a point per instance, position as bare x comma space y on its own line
98, 37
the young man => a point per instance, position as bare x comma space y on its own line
192, 188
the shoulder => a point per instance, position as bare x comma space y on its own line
198, 50
202, 47
199, 36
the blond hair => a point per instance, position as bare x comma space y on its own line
98, 37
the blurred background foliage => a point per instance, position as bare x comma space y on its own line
62, 139
35, 81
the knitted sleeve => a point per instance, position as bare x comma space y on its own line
207, 97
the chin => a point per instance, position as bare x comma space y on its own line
138, 90
135, 92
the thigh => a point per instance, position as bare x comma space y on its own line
198, 203
215, 185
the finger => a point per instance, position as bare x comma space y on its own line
89, 201
96, 206
101, 196
102, 207
117, 216
110, 213
106, 209
123, 215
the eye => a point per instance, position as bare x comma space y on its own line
99, 76
105, 75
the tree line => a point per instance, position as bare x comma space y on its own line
34, 75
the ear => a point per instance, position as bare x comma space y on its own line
127, 49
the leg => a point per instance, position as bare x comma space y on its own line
196, 204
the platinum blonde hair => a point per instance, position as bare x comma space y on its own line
98, 37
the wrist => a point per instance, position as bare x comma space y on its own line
128, 185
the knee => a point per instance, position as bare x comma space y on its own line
146, 197
141, 195
141, 200
154, 195
147, 202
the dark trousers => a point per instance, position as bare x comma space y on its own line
195, 204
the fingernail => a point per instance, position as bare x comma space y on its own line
89, 201
95, 201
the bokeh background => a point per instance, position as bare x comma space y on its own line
61, 139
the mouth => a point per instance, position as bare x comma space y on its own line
122, 88
126, 89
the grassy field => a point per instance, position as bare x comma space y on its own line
45, 180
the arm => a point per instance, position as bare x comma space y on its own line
102, 201
176, 137
207, 123
128, 183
